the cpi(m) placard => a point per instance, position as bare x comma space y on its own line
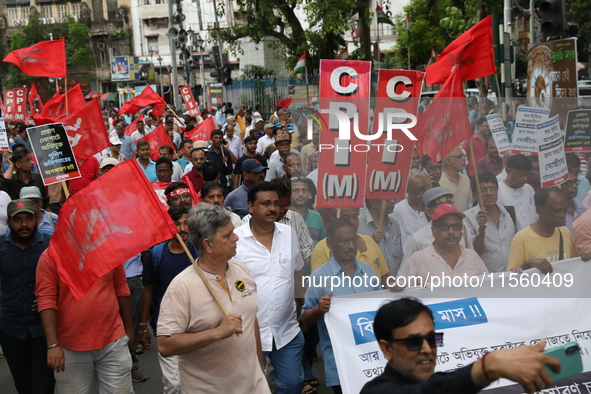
53, 152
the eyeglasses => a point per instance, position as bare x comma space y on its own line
414, 343
489, 190
571, 183
183, 197
445, 227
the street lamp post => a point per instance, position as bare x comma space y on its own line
199, 41
159, 58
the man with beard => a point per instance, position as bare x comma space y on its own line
342, 242
21, 331
492, 162
292, 166
546, 240
250, 146
195, 176
252, 172
14, 181
454, 181
164, 262
178, 193
478, 143
446, 256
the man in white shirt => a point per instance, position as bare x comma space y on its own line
424, 237
515, 192
139, 132
234, 141
454, 181
267, 139
410, 213
445, 256
272, 255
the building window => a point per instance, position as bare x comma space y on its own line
25, 12
46, 11
152, 44
76, 11
97, 11
13, 16
62, 11
112, 9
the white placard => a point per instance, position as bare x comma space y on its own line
499, 133
525, 140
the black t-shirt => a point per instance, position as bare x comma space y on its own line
238, 165
393, 382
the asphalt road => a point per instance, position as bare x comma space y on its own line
148, 363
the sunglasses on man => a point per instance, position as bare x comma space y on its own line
414, 342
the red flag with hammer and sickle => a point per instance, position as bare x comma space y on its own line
157, 138
86, 130
202, 131
472, 52
44, 59
114, 218
57, 107
445, 123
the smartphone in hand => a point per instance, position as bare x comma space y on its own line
569, 356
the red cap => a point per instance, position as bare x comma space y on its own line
446, 209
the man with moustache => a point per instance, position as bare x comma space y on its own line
453, 180
195, 176
272, 255
547, 239
493, 227
21, 331
410, 213
403, 326
446, 256
212, 193
342, 241
492, 162
178, 193
433, 170
146, 163
164, 262
300, 196
252, 172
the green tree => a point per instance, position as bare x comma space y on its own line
328, 20
78, 51
579, 13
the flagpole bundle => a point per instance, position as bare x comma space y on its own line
174, 113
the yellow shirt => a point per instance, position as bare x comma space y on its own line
241, 122
528, 245
372, 256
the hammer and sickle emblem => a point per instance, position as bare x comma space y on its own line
94, 216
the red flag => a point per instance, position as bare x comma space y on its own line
44, 59
445, 123
159, 110
32, 96
55, 108
202, 131
189, 100
472, 53
100, 228
147, 97
132, 126
86, 130
157, 138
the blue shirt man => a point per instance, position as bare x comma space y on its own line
127, 145
252, 172
355, 277
21, 332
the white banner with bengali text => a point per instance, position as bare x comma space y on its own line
498, 311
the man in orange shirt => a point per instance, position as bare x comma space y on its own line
84, 340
